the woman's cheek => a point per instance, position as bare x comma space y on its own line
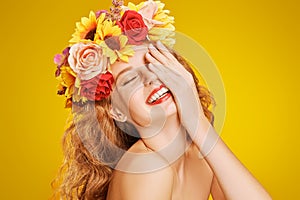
139, 111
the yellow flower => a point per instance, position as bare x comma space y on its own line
69, 86
106, 28
115, 48
164, 31
163, 16
114, 44
66, 80
85, 30
134, 7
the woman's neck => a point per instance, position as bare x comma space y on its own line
170, 142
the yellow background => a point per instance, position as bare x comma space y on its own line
255, 45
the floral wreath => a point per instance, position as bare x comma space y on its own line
104, 38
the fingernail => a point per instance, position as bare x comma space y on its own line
151, 46
159, 43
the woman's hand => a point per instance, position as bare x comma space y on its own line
235, 180
181, 84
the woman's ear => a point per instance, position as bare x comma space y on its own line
116, 114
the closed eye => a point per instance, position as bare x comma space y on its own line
129, 80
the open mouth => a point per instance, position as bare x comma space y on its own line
158, 95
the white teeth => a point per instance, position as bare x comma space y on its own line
163, 90
158, 94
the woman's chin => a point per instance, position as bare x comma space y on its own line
169, 107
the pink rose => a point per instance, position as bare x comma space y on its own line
87, 60
148, 10
61, 59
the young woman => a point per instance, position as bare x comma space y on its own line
141, 126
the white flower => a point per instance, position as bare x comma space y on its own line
87, 60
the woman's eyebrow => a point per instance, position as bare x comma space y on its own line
123, 71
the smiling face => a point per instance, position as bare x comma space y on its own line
139, 94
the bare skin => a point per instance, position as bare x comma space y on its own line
187, 178
184, 175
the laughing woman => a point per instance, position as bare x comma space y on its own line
140, 127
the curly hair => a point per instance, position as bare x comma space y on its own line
92, 143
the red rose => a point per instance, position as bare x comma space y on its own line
133, 26
98, 87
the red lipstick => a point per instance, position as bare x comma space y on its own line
158, 96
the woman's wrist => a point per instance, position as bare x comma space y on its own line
205, 137
209, 141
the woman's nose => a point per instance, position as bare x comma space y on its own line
149, 77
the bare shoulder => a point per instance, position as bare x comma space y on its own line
142, 175
139, 159
153, 185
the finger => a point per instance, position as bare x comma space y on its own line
158, 55
162, 56
160, 67
159, 71
151, 59
174, 64
165, 51
156, 63
162, 75
165, 74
